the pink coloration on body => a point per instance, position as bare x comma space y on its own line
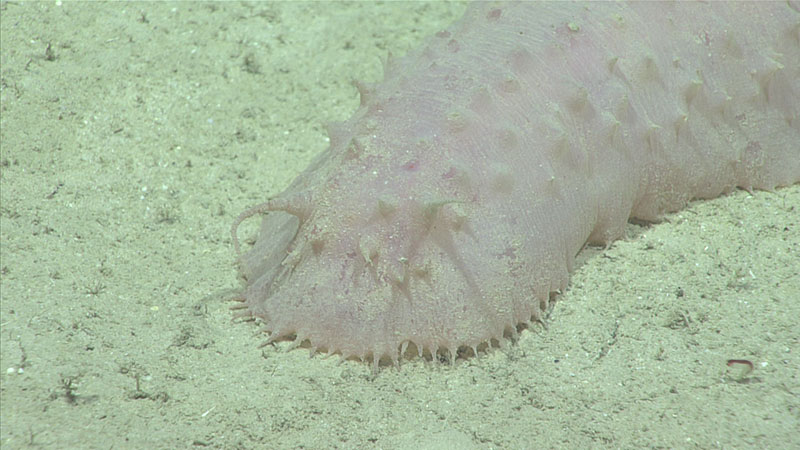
449, 209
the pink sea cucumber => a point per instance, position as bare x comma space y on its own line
450, 207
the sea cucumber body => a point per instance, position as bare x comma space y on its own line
452, 204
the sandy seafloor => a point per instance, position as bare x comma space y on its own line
129, 147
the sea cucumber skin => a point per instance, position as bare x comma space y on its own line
452, 204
